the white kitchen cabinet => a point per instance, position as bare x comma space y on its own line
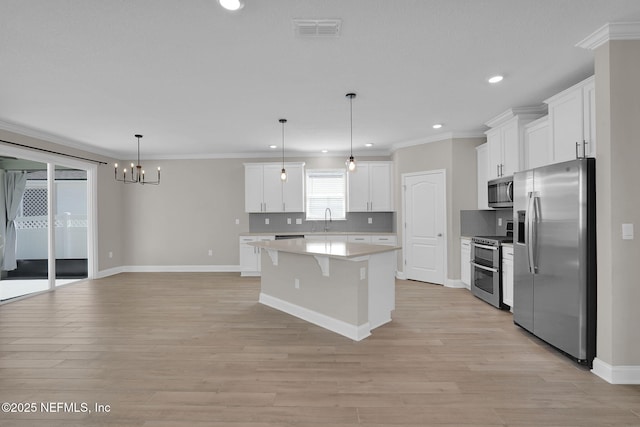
265, 191
505, 140
358, 238
465, 261
482, 158
384, 240
507, 276
538, 150
572, 122
250, 255
371, 187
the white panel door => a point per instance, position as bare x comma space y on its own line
424, 227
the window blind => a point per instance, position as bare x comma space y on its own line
326, 189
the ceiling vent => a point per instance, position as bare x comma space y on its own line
317, 27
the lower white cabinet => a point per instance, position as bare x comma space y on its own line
359, 239
326, 237
250, 255
507, 276
465, 260
384, 240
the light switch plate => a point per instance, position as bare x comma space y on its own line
298, 221
289, 221
266, 221
627, 231
370, 220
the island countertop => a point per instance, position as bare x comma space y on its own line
331, 249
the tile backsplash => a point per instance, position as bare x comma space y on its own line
381, 222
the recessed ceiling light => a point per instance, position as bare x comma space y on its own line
231, 4
325, 151
368, 144
437, 126
273, 146
495, 79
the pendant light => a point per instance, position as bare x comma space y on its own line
283, 174
352, 161
137, 176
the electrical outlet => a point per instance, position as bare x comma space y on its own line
499, 222
210, 252
363, 273
237, 221
370, 220
298, 221
296, 283
266, 221
110, 254
289, 221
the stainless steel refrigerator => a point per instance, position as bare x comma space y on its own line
555, 255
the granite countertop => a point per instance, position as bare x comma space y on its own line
332, 249
320, 233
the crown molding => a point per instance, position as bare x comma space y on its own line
55, 139
435, 138
611, 31
532, 112
269, 155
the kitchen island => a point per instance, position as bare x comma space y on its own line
348, 288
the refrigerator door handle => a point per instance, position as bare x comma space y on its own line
529, 232
534, 233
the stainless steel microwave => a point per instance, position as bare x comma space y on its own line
500, 192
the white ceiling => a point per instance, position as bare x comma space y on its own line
198, 81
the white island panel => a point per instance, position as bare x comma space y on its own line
348, 288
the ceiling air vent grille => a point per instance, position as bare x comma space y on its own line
317, 27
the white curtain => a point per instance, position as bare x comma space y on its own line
14, 185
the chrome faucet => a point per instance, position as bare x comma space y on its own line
326, 228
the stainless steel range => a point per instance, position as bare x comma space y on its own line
486, 268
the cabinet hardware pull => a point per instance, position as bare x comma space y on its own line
584, 149
498, 170
577, 156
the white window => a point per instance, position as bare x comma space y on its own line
326, 188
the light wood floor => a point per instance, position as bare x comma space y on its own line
198, 350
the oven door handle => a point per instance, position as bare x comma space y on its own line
482, 267
491, 248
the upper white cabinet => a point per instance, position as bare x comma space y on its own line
506, 138
264, 191
482, 157
572, 122
370, 187
537, 144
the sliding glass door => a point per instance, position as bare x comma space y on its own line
45, 224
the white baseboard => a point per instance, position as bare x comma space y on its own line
629, 374
109, 272
168, 269
182, 268
354, 332
454, 283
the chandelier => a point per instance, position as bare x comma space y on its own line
137, 175
352, 162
